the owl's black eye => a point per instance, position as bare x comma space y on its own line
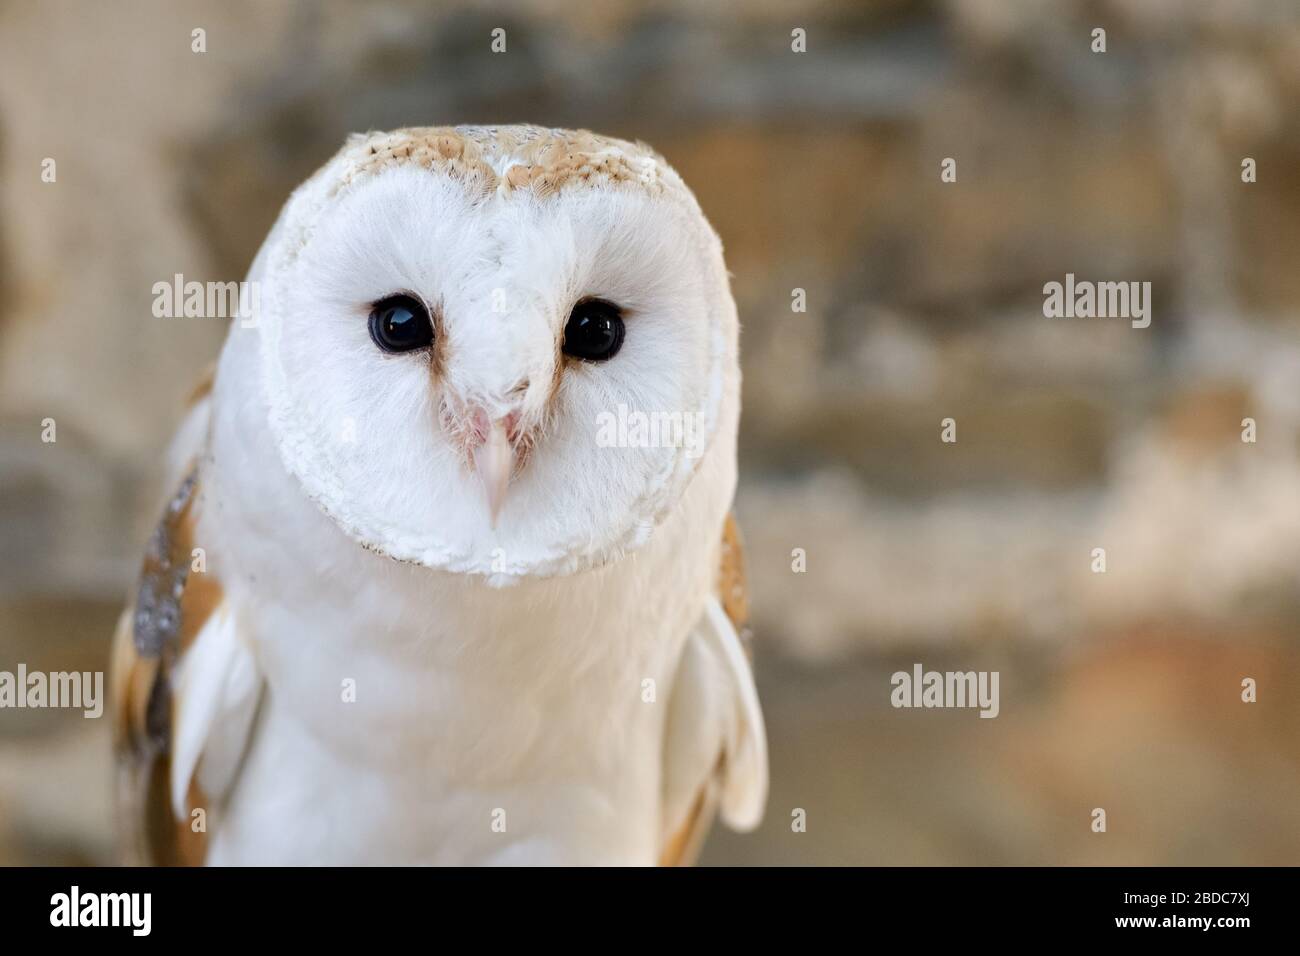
400, 323
594, 331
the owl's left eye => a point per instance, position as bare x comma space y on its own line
594, 331
400, 323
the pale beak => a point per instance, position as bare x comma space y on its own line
494, 460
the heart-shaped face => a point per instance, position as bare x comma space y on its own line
495, 351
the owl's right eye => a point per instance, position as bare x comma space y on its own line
400, 323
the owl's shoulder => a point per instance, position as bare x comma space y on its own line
166, 716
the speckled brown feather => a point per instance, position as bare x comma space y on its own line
508, 159
170, 607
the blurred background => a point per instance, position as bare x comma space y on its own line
820, 170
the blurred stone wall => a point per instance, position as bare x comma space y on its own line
820, 170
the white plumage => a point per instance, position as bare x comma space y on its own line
373, 667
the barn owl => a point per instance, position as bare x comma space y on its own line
408, 601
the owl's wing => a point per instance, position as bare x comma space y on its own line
715, 747
185, 685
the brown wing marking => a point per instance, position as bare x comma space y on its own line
733, 587
203, 387
684, 845
170, 607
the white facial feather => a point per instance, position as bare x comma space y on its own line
500, 232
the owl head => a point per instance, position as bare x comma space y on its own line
496, 350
